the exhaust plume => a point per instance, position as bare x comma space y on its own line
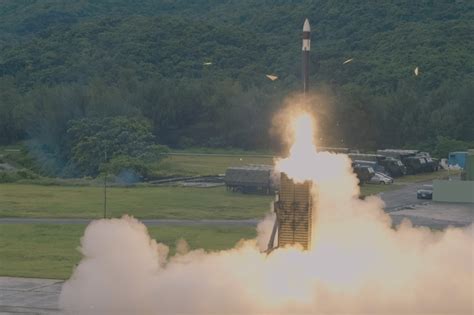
358, 264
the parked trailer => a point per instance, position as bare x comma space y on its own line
373, 164
251, 179
334, 150
398, 153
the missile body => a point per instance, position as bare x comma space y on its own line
306, 49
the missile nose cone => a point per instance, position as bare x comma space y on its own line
306, 27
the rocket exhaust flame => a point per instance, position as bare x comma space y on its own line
294, 208
359, 264
302, 151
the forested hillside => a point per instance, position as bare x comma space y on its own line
196, 69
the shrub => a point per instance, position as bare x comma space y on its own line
8, 177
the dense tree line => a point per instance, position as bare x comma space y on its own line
194, 71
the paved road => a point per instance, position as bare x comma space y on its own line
403, 204
403, 197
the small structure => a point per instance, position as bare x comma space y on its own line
250, 179
453, 191
294, 214
457, 190
468, 173
457, 158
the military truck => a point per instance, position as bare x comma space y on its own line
392, 166
373, 164
251, 179
431, 164
414, 164
364, 173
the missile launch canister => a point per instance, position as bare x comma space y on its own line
294, 212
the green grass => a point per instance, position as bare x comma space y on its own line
373, 189
427, 176
206, 164
50, 251
38, 201
191, 150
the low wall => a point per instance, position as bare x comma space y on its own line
453, 191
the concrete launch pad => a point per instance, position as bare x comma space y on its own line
29, 295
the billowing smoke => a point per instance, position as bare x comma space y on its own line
358, 263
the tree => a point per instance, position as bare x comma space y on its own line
94, 142
14, 113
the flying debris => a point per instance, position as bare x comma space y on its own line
207, 63
416, 71
347, 61
271, 77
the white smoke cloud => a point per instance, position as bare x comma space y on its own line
358, 264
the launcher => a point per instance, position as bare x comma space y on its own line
294, 214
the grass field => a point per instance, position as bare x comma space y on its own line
38, 201
17, 200
207, 164
373, 189
427, 176
50, 251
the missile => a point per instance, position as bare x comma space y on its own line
293, 207
306, 49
